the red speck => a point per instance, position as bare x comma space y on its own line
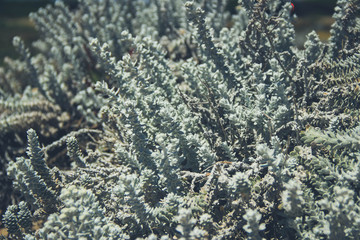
292, 8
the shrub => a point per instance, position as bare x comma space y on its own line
165, 119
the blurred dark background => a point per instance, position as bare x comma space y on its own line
311, 15
14, 21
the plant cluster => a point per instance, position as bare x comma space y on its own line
166, 119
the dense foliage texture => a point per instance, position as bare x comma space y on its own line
166, 119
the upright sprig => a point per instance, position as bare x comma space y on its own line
34, 178
36, 156
18, 219
197, 17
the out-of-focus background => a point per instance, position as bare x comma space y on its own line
14, 21
313, 15
310, 15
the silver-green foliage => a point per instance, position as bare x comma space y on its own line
202, 129
81, 217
